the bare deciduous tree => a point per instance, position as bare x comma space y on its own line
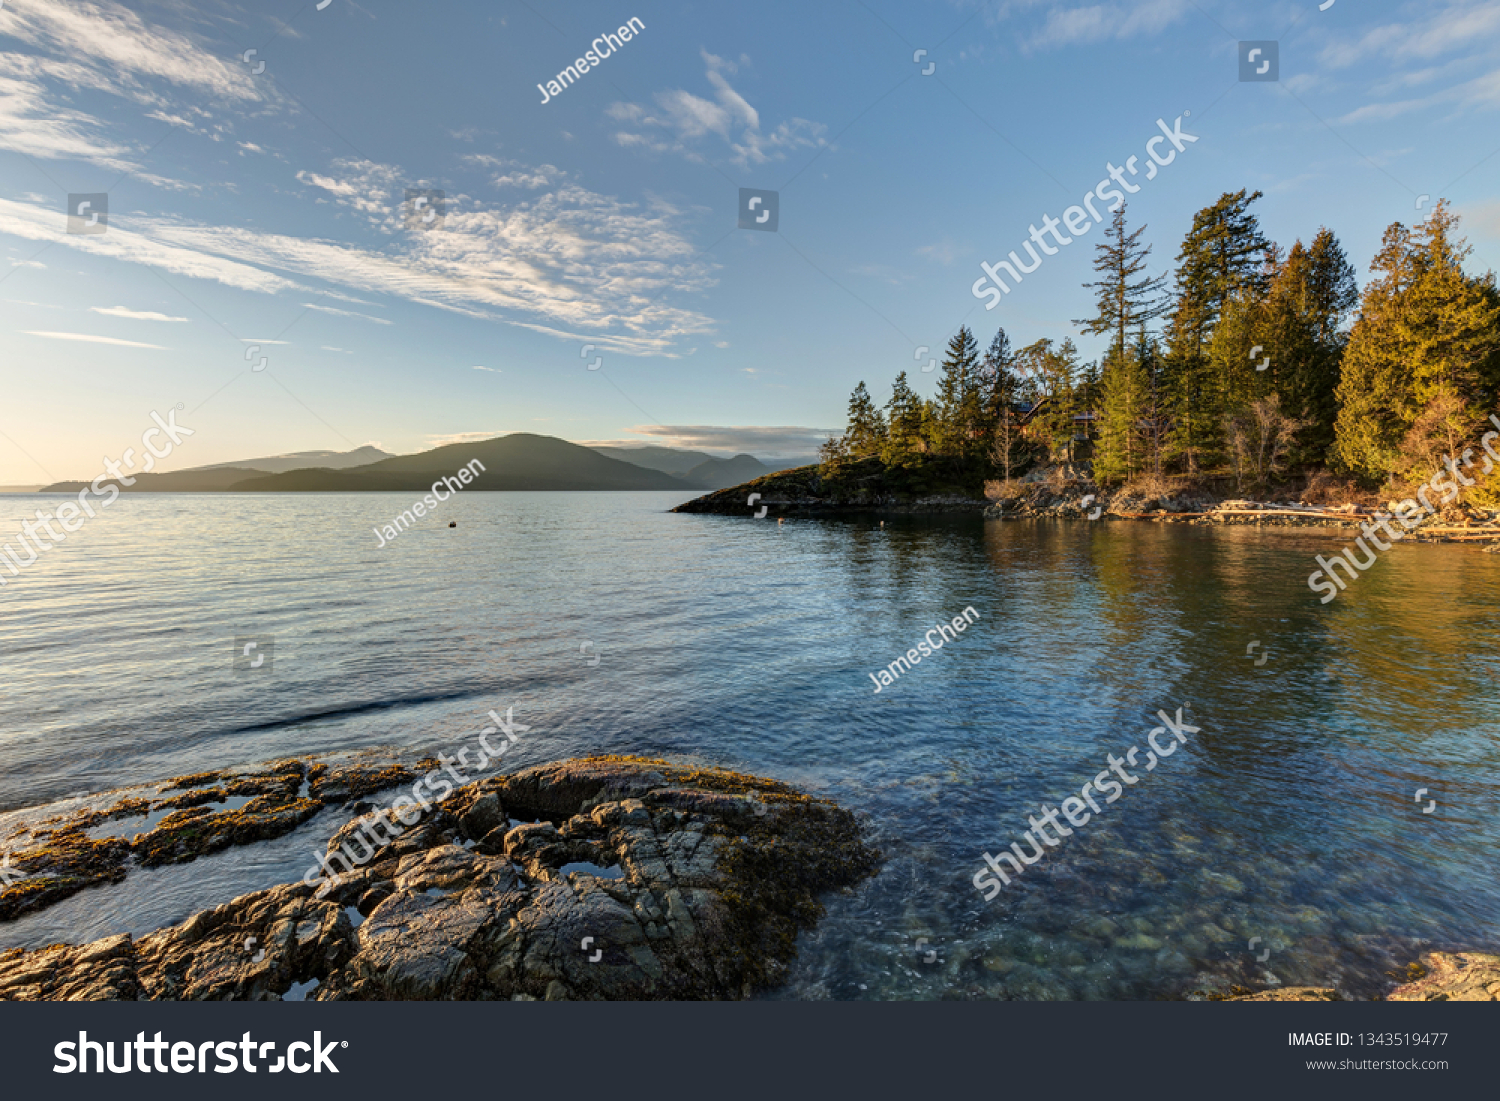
1260, 441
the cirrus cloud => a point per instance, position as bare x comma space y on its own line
89, 338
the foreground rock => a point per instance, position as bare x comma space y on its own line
1440, 977
181, 820
597, 878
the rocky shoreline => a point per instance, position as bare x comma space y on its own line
802, 493
1085, 501
593, 878
1440, 977
602, 877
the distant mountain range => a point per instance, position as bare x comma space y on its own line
305, 460
697, 470
520, 461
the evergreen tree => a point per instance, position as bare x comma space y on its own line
958, 407
1375, 406
831, 456
1124, 400
1233, 379
1452, 323
997, 381
1300, 327
1428, 339
1086, 387
1155, 422
1331, 289
932, 426
1124, 298
904, 441
1220, 257
865, 436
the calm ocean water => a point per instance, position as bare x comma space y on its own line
1291, 818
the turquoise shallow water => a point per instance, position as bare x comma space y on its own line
1290, 818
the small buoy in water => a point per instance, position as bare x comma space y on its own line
453, 523
780, 521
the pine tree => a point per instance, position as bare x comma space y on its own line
1375, 403
1428, 338
958, 408
1220, 256
865, 436
1299, 327
1155, 421
934, 436
997, 382
1124, 298
1125, 398
1452, 324
1233, 379
1331, 288
904, 443
832, 455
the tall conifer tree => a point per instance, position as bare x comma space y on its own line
1220, 256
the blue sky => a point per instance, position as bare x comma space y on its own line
266, 208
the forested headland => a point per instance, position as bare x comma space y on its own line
1251, 368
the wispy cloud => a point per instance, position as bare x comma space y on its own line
580, 263
568, 262
121, 51
1091, 23
465, 437
1481, 93
680, 118
1432, 31
144, 244
134, 315
943, 252
88, 338
101, 46
515, 174
346, 313
491, 370
771, 441
1434, 44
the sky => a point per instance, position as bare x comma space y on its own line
262, 270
